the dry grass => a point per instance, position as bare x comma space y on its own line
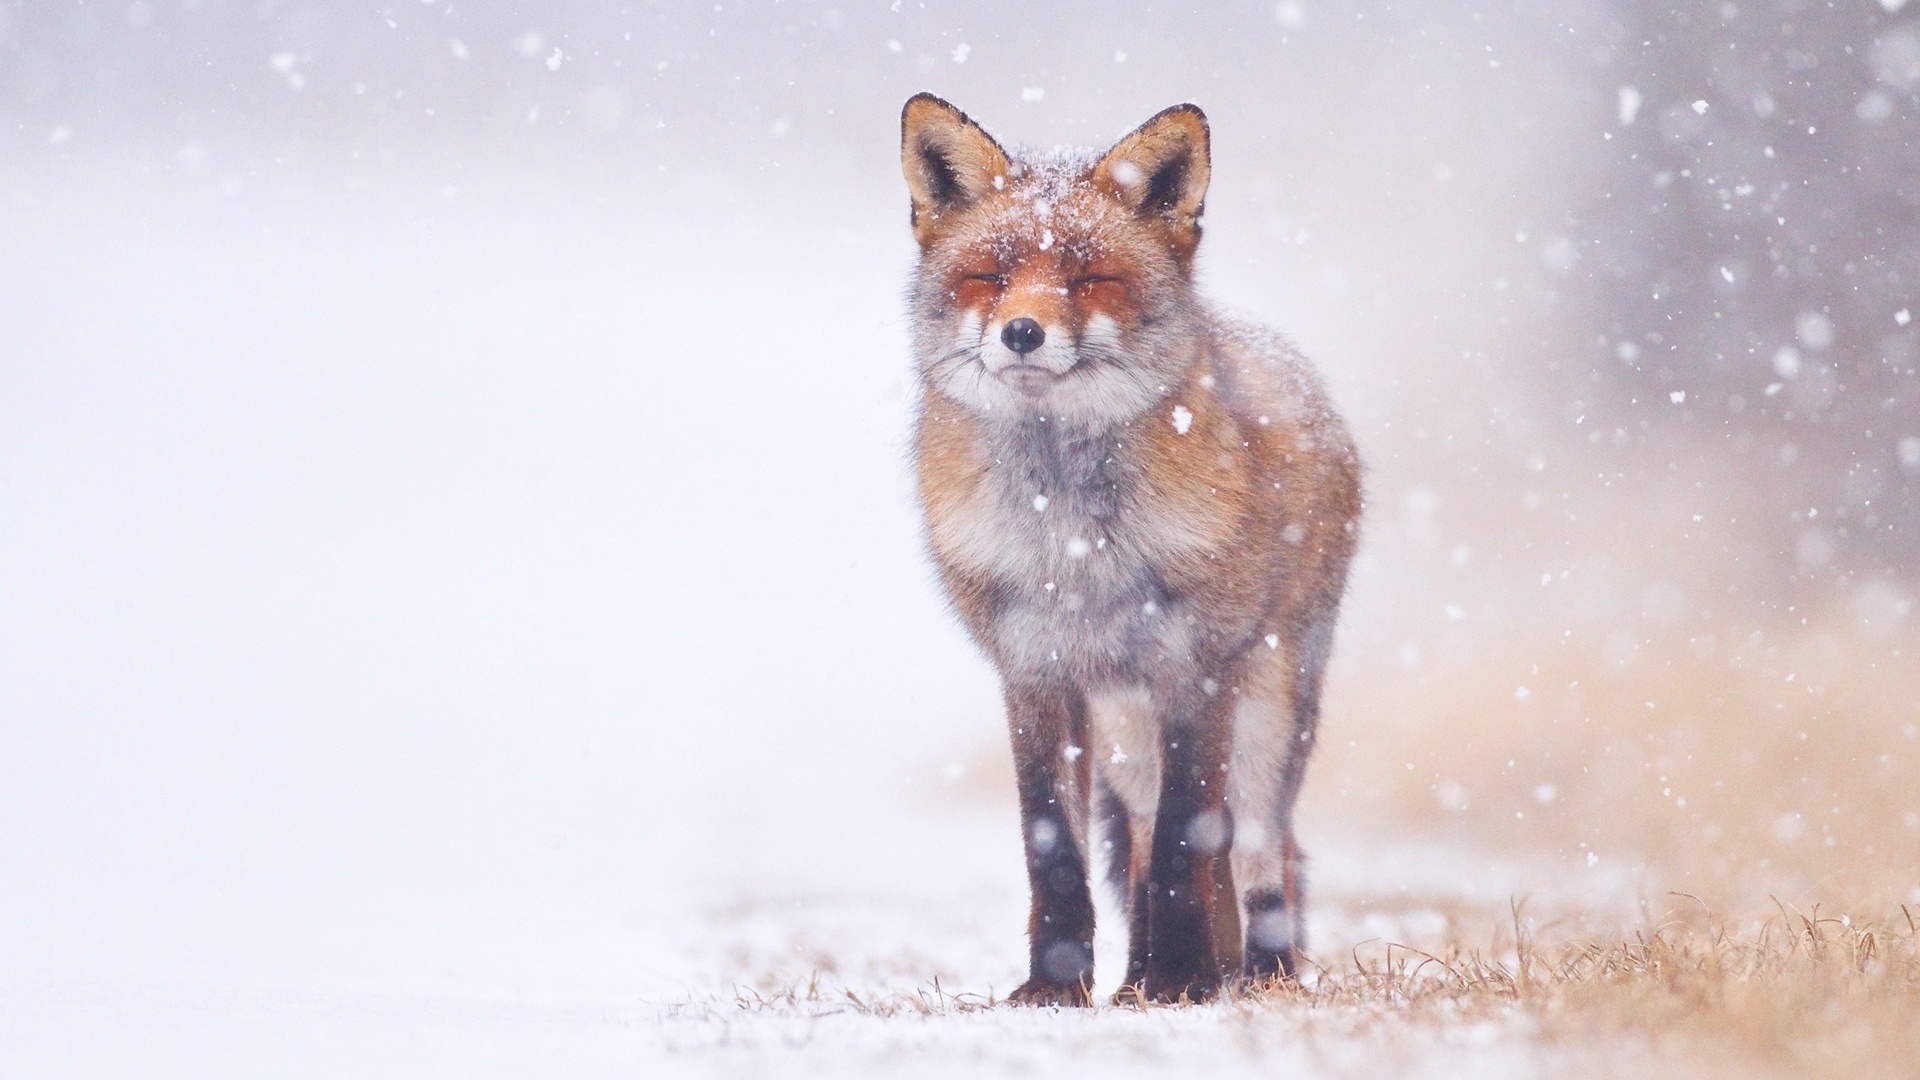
814, 997
1793, 994
1733, 766
1789, 995
1762, 769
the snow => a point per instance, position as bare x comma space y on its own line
1629, 108
287, 64
1896, 57
1909, 451
675, 986
1814, 330
464, 612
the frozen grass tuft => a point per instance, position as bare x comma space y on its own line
1787, 993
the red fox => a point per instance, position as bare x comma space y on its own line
1143, 513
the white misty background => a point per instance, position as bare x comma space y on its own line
455, 535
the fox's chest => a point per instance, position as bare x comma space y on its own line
1073, 553
1072, 547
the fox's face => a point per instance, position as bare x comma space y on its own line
1056, 285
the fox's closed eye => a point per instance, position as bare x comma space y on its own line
1091, 280
991, 279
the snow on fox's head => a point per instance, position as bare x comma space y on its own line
1057, 284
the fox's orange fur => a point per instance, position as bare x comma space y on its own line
1143, 513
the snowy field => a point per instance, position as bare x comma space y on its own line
447, 640
462, 611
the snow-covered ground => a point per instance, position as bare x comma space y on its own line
799, 957
485, 633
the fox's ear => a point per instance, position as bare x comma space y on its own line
949, 160
1161, 169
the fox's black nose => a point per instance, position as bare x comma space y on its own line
1023, 335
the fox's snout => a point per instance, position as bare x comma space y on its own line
1023, 335
1023, 353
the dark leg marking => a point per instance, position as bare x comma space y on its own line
1272, 935
1192, 834
1053, 797
1116, 832
1138, 908
1127, 877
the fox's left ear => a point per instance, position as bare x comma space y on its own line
950, 161
1161, 170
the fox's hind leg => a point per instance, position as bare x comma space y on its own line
1274, 733
1276, 916
1128, 839
1264, 850
1126, 749
1116, 840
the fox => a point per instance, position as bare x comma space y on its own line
1143, 513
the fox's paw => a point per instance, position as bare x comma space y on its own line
1175, 988
1040, 992
1271, 965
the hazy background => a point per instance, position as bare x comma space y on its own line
455, 535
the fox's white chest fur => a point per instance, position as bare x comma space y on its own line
1059, 524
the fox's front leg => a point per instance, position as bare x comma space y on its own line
1192, 919
1049, 729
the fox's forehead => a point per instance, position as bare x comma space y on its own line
1051, 174
1046, 204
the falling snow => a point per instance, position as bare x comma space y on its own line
389, 393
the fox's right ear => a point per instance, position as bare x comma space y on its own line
1161, 170
950, 162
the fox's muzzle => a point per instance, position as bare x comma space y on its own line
1023, 335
